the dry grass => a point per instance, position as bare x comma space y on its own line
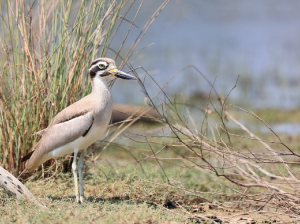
194, 167
126, 197
46, 50
259, 179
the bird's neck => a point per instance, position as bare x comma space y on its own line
100, 88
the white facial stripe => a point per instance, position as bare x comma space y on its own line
98, 74
102, 63
99, 63
93, 67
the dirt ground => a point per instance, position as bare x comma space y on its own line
124, 200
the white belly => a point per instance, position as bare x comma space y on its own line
81, 143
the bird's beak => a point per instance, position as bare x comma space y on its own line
121, 74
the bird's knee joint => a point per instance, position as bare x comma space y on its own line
74, 166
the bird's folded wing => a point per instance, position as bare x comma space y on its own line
81, 107
40, 133
76, 109
60, 134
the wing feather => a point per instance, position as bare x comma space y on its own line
59, 134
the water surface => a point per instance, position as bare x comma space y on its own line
258, 40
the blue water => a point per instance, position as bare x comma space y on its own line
258, 40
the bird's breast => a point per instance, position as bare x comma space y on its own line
102, 113
102, 116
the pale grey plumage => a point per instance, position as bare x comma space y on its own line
61, 134
80, 124
77, 117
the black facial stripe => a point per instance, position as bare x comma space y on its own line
105, 74
94, 62
94, 71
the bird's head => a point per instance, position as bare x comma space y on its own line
104, 68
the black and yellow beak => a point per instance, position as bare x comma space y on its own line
121, 74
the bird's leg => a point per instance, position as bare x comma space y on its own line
74, 167
80, 166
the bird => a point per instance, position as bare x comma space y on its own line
79, 125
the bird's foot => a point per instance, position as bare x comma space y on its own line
81, 200
78, 200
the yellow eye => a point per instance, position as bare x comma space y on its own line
101, 66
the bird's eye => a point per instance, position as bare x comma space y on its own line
101, 66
